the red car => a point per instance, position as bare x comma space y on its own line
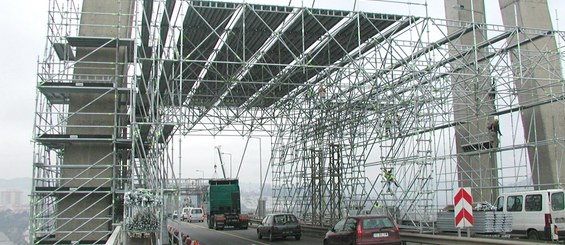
364, 230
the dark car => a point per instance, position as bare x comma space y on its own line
364, 230
279, 226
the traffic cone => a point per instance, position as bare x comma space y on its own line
187, 240
195, 243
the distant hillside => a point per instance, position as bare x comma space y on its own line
248, 188
23, 184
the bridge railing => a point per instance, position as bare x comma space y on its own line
116, 237
455, 240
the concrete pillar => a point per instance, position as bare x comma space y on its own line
476, 166
85, 215
537, 80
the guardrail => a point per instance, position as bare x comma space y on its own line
454, 240
116, 237
418, 238
314, 231
311, 230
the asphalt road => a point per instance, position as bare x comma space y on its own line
205, 236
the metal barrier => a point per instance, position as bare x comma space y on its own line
314, 231
116, 237
407, 236
454, 240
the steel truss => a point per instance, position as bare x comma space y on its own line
345, 94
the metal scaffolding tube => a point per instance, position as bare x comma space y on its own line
395, 93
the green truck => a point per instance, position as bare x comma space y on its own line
223, 205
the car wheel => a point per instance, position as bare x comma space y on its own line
533, 235
259, 235
297, 238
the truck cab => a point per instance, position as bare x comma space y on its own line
223, 205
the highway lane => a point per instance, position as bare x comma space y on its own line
205, 236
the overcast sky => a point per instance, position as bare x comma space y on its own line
24, 24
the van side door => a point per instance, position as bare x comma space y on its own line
500, 204
514, 205
557, 209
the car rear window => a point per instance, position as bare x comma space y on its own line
285, 219
376, 223
197, 211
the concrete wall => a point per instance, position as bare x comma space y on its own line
87, 216
545, 122
472, 104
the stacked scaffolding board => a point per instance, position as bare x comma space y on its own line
344, 94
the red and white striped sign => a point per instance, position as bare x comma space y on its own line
463, 208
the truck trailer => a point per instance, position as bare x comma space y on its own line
223, 205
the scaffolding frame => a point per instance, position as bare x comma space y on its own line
341, 105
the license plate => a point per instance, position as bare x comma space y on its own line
382, 234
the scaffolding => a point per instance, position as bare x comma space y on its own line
99, 135
345, 95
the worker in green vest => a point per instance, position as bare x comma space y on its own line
377, 204
389, 177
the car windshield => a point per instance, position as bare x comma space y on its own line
285, 219
376, 223
196, 211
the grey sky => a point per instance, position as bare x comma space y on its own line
24, 25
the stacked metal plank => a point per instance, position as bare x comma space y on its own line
483, 222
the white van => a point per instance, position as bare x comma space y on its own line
535, 214
192, 214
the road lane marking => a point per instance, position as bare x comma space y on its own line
229, 234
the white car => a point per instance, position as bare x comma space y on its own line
192, 214
184, 214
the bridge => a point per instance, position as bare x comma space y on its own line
343, 95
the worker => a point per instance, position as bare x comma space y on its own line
492, 90
322, 92
397, 121
388, 125
389, 177
377, 204
494, 130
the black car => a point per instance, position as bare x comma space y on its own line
279, 226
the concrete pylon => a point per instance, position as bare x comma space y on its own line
85, 214
535, 82
472, 102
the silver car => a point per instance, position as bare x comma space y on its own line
279, 225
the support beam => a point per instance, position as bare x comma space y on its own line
547, 121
